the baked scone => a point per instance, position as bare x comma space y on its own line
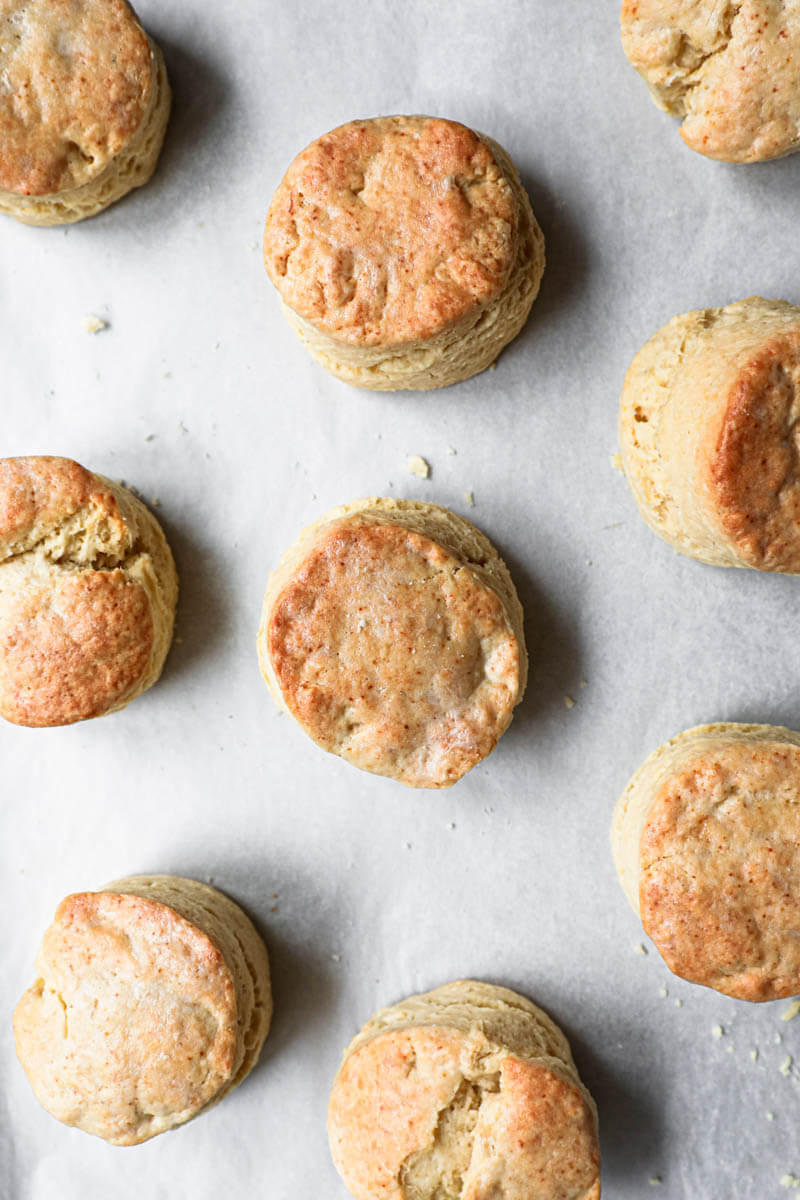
392, 633
728, 68
152, 1001
88, 590
405, 252
83, 107
706, 840
709, 437
465, 1092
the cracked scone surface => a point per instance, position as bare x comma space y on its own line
460, 1093
392, 632
88, 590
83, 107
152, 1001
728, 68
405, 251
709, 436
706, 839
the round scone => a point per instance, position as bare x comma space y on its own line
405, 252
706, 840
392, 633
709, 436
468, 1091
152, 1001
83, 107
727, 68
88, 590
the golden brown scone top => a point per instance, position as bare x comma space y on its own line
76, 624
389, 231
728, 67
719, 888
432, 1111
76, 80
130, 1028
393, 654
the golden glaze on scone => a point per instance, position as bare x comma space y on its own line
87, 593
729, 68
709, 436
404, 250
706, 839
152, 1002
392, 633
83, 106
464, 1092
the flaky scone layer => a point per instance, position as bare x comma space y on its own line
709, 437
728, 68
391, 631
706, 840
152, 1001
463, 1092
88, 591
405, 251
85, 109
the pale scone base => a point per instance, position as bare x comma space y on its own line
633, 808
236, 938
458, 353
130, 168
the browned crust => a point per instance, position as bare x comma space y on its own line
719, 887
132, 1025
78, 76
389, 231
753, 465
383, 643
75, 649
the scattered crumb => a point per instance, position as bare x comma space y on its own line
583, 683
570, 703
679, 1004
336, 957
156, 503
717, 1031
786, 1066
452, 450
616, 461
416, 465
754, 1055
790, 1181
209, 878
94, 324
730, 1048
274, 896
470, 498
791, 1011
149, 437
770, 1116
655, 1181
778, 1039
640, 949
614, 525
452, 825
406, 845
663, 992
182, 427
493, 367
274, 908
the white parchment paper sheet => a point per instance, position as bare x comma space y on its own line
198, 395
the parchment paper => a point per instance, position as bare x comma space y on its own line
199, 396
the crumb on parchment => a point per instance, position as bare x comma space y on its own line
417, 465
93, 324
